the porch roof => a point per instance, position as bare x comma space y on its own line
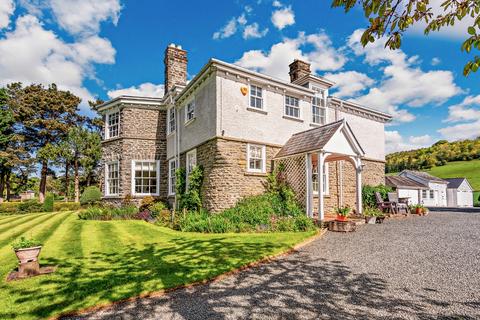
316, 139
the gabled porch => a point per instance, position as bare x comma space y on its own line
311, 157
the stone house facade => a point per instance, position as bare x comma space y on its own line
233, 122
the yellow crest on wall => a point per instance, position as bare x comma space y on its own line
244, 90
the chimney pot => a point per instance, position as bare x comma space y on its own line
298, 69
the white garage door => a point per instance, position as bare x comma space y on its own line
465, 198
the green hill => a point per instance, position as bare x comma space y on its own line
439, 154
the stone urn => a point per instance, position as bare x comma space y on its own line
370, 220
26, 255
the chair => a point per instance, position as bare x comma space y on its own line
393, 198
384, 206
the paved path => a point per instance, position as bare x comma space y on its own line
414, 268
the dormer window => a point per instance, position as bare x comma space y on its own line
112, 124
256, 97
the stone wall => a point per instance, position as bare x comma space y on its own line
226, 179
142, 137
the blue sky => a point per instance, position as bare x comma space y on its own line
106, 48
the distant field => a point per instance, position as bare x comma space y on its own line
467, 169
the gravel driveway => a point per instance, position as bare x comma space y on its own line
412, 268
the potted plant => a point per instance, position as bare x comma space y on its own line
418, 209
27, 250
342, 213
425, 211
371, 215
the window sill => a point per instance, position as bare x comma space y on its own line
111, 139
145, 194
111, 196
256, 174
189, 121
170, 133
292, 118
316, 125
262, 111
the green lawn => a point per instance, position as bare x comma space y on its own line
99, 261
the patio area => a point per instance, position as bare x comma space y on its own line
412, 268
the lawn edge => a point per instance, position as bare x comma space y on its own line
216, 278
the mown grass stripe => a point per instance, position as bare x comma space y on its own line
19, 222
37, 222
40, 232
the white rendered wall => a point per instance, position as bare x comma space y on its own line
409, 193
203, 127
271, 127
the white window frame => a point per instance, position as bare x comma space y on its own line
190, 154
171, 186
286, 106
191, 103
264, 158
169, 124
261, 97
322, 118
107, 124
107, 179
157, 163
424, 194
326, 181
432, 194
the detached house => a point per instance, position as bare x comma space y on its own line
238, 124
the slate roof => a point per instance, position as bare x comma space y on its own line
425, 176
403, 183
454, 183
310, 140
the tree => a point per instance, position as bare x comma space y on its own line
44, 116
96, 123
391, 18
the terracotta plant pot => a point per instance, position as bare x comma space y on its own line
370, 220
341, 218
418, 211
28, 254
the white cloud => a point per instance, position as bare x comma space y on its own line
435, 61
252, 31
403, 83
277, 4
461, 131
349, 83
282, 18
275, 61
144, 90
6, 10
466, 113
394, 142
227, 31
32, 54
78, 17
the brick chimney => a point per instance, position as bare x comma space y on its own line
298, 69
175, 66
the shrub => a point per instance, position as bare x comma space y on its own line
189, 198
66, 206
91, 195
157, 209
368, 194
372, 212
9, 207
303, 223
147, 202
282, 195
106, 213
24, 243
48, 203
30, 206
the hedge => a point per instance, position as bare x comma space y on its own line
16, 207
